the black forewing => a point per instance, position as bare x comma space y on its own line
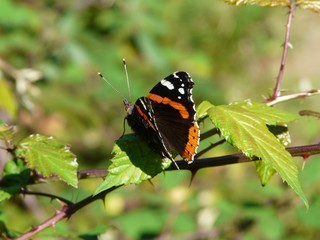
173, 128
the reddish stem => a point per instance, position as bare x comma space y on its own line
286, 45
68, 211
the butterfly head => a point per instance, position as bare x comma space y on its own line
128, 106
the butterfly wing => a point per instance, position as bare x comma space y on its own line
175, 115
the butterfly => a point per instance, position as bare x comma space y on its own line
166, 118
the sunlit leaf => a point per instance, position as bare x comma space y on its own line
49, 157
262, 3
133, 162
269, 115
248, 132
202, 109
265, 172
313, 5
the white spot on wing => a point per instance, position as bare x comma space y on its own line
167, 84
181, 90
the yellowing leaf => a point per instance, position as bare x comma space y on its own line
262, 3
313, 5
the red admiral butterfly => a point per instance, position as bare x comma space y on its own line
166, 117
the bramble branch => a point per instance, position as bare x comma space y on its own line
271, 102
299, 151
286, 45
26, 192
309, 113
68, 210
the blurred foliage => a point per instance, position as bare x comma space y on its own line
50, 53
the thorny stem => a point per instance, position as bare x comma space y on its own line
92, 173
302, 151
68, 210
271, 102
209, 134
26, 192
286, 45
309, 113
82, 174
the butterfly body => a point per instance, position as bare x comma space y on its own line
166, 118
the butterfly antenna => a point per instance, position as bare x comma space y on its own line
127, 76
116, 90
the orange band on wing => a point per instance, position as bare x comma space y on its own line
145, 117
193, 142
164, 100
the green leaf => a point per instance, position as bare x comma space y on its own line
15, 176
7, 99
14, 166
6, 132
202, 109
246, 130
264, 171
270, 115
133, 162
49, 157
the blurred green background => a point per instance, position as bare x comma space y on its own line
50, 54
